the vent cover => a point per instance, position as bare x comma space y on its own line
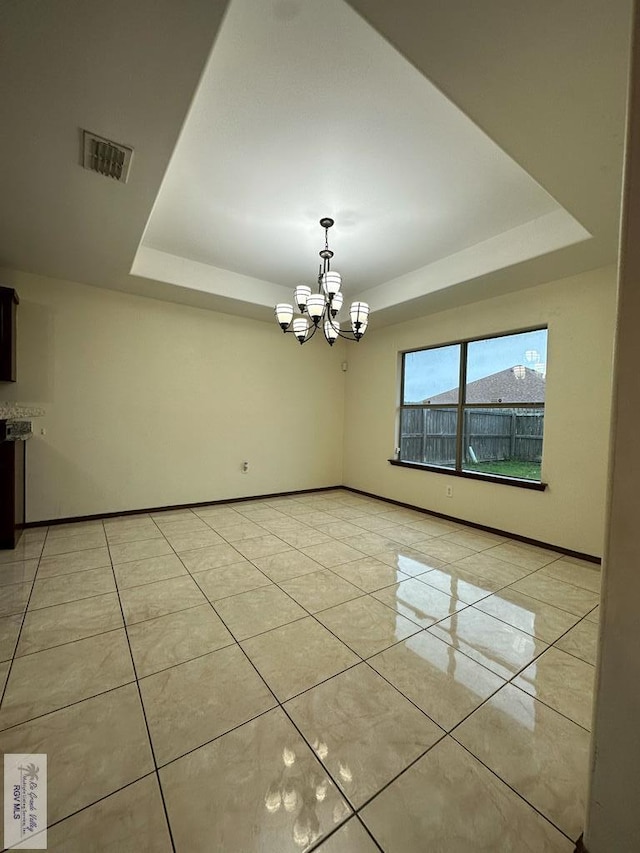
105, 157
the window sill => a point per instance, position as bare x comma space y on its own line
469, 475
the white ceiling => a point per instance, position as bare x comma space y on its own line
296, 116
481, 153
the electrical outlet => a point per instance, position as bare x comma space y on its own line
449, 491
245, 467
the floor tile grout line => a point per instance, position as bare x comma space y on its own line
15, 583
408, 698
422, 577
581, 619
516, 627
577, 616
537, 698
143, 709
511, 788
479, 581
319, 683
235, 728
572, 654
74, 600
320, 763
564, 634
542, 701
454, 647
75, 551
241, 640
147, 583
76, 572
566, 582
5, 567
70, 642
100, 595
421, 627
280, 705
360, 820
459, 566
400, 773
68, 705
552, 605
71, 575
528, 695
233, 594
96, 802
446, 735
227, 645
317, 844
509, 681
24, 616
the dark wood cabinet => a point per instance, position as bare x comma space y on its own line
12, 471
8, 307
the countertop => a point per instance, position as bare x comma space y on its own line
19, 411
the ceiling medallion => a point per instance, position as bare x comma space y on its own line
321, 308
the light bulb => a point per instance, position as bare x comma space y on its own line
359, 314
331, 282
336, 304
315, 306
301, 294
300, 328
284, 315
331, 331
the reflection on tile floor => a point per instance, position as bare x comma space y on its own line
315, 672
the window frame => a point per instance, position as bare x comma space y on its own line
460, 406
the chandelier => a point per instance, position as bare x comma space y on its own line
320, 310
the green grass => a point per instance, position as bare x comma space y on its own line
506, 468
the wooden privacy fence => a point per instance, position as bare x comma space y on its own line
428, 435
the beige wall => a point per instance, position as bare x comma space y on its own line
580, 313
150, 403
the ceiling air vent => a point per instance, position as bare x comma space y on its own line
105, 157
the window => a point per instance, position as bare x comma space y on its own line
476, 407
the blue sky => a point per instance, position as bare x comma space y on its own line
431, 372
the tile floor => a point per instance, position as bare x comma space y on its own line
326, 672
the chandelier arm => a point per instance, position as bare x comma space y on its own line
347, 335
309, 336
311, 330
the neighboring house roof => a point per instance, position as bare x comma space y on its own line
516, 384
